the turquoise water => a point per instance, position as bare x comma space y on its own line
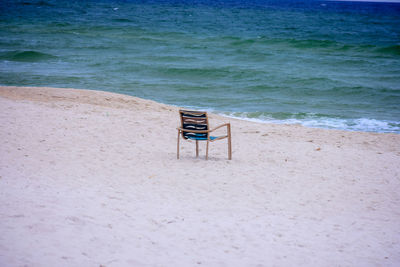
319, 63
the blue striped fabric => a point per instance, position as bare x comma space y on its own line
201, 137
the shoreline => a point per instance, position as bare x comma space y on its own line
216, 113
304, 124
91, 178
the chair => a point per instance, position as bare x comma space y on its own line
194, 126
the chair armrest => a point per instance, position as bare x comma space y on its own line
193, 131
222, 125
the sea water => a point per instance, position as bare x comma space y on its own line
318, 63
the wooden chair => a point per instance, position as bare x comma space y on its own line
194, 126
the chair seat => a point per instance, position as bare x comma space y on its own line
202, 138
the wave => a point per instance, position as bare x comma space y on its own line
171, 58
390, 50
314, 45
311, 43
304, 44
26, 56
122, 20
289, 42
39, 3
60, 24
350, 90
206, 73
243, 42
320, 121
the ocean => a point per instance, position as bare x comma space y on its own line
326, 64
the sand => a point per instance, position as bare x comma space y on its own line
90, 178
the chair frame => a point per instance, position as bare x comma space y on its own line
182, 130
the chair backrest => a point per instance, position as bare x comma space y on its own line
194, 120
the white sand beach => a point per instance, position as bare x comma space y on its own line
90, 178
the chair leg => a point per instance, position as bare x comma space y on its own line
207, 149
229, 143
197, 148
177, 148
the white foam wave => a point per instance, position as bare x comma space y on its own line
361, 124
